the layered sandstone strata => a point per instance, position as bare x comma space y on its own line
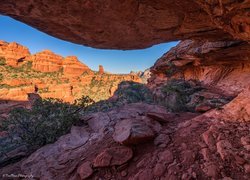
52, 76
46, 61
13, 53
73, 67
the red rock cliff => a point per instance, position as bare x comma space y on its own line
73, 67
14, 53
46, 61
68, 78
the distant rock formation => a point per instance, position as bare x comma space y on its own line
52, 76
13, 53
46, 61
73, 67
144, 75
101, 69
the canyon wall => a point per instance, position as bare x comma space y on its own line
13, 53
225, 65
73, 67
46, 61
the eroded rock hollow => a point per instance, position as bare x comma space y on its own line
194, 123
133, 24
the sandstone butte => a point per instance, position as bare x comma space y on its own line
13, 53
208, 139
53, 76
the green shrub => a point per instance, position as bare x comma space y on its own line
131, 92
5, 86
178, 94
14, 75
102, 106
171, 70
44, 90
26, 67
85, 73
1, 77
127, 92
2, 61
44, 123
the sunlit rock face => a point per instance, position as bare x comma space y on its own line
52, 76
101, 69
73, 67
13, 53
46, 61
133, 24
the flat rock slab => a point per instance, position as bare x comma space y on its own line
132, 131
113, 156
161, 117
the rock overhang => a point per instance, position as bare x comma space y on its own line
133, 24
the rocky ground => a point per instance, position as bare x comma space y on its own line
195, 125
141, 141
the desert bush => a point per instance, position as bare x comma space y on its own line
5, 86
127, 92
26, 67
102, 106
14, 75
85, 73
178, 94
44, 123
2, 61
44, 90
1, 77
131, 92
171, 70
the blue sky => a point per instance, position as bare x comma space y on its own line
115, 61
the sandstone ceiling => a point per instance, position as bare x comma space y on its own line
133, 24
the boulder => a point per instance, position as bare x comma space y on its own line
161, 117
132, 131
85, 170
68, 148
224, 148
113, 156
